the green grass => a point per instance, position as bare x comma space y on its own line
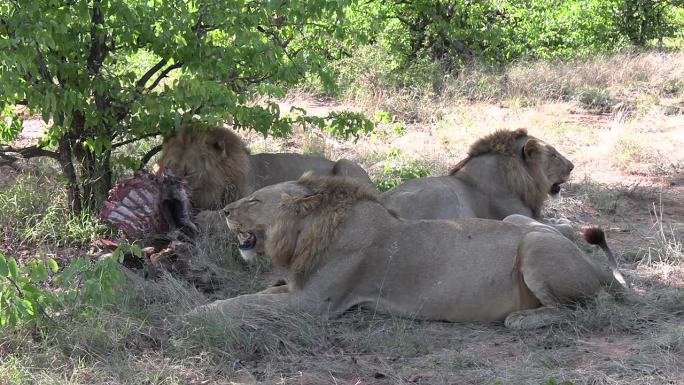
34, 211
597, 100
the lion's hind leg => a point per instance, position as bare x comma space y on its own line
556, 272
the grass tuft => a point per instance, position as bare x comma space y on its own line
597, 100
34, 211
664, 246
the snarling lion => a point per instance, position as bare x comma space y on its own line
218, 168
343, 248
504, 173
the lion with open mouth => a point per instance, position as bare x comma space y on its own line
342, 248
505, 173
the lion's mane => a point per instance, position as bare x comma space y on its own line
305, 226
217, 160
527, 180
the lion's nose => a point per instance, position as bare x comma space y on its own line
226, 211
571, 166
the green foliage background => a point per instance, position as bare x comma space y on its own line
109, 72
502, 31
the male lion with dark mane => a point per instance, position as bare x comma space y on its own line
343, 248
507, 172
218, 168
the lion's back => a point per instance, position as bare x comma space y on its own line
272, 168
441, 197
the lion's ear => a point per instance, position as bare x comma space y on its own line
306, 204
217, 145
530, 148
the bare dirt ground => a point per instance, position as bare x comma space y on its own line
629, 179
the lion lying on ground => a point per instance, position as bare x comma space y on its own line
507, 172
343, 248
218, 168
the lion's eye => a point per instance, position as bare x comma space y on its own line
252, 201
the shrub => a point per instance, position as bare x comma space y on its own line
597, 100
25, 295
395, 174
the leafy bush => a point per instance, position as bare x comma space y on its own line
395, 174
25, 295
21, 295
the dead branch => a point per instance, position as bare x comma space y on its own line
11, 154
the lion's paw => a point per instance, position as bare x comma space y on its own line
534, 318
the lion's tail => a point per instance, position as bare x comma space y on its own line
596, 236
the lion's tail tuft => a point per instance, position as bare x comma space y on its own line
596, 236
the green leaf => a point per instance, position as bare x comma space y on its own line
4, 268
39, 272
25, 307
53, 265
13, 268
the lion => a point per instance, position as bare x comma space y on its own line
504, 173
218, 167
342, 248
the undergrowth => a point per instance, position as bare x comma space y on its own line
370, 79
34, 211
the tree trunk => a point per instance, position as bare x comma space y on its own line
96, 179
66, 164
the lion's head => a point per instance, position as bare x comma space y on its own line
293, 222
532, 168
249, 217
214, 163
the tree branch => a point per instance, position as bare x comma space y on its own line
148, 75
129, 141
11, 154
146, 158
27, 152
164, 73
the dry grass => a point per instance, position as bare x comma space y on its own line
620, 115
603, 83
652, 72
